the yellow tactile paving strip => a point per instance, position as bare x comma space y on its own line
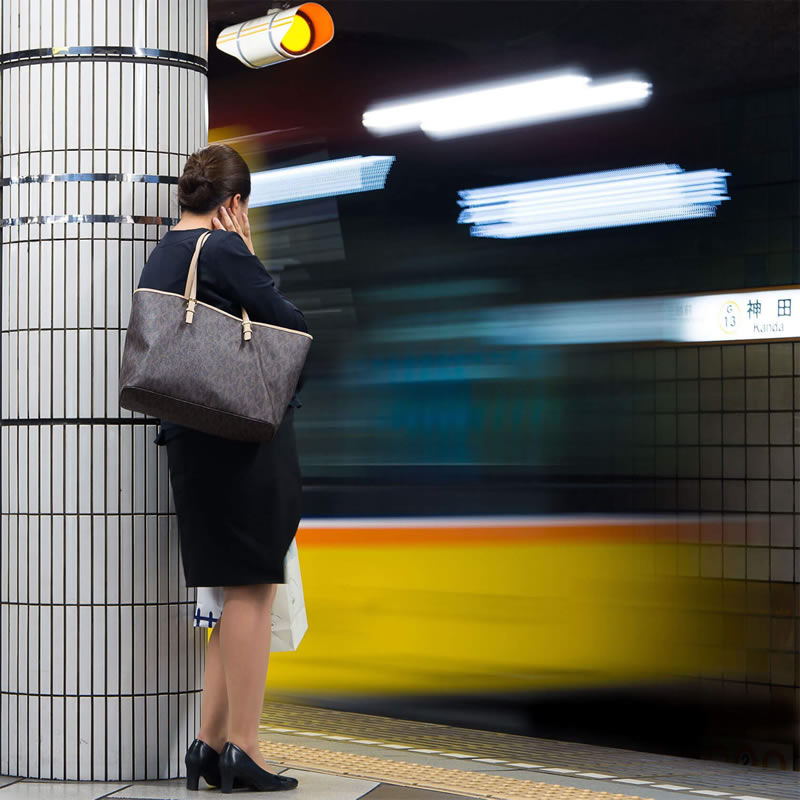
574, 759
414, 734
478, 744
403, 773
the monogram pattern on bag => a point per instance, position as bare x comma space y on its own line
204, 375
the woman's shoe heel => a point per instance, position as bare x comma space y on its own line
193, 779
201, 761
226, 781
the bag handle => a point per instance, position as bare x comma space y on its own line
190, 292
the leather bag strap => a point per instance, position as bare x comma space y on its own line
190, 292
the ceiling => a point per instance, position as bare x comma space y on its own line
732, 41
382, 49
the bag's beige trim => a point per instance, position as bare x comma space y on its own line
190, 292
220, 311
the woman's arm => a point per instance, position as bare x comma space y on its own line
244, 279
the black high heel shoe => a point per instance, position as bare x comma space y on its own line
236, 765
201, 759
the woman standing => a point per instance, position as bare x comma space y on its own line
238, 503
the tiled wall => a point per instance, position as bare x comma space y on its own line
100, 667
708, 436
718, 429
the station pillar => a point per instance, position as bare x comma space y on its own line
100, 666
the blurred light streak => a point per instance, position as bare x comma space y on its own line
437, 291
440, 372
320, 179
505, 105
755, 315
585, 322
635, 196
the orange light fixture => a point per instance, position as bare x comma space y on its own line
280, 35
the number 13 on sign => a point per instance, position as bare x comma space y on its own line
729, 317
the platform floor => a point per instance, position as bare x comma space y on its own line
342, 756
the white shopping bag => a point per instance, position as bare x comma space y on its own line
289, 621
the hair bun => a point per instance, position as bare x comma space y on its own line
192, 180
195, 189
210, 176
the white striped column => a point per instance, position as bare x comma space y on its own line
100, 667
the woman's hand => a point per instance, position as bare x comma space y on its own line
229, 222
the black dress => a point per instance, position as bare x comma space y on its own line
238, 503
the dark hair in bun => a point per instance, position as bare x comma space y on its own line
210, 176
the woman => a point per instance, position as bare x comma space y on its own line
238, 503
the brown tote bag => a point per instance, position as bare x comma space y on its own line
193, 364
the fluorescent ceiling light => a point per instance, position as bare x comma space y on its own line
320, 179
506, 105
636, 196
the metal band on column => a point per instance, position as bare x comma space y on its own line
152, 55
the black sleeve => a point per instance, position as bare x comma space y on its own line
244, 279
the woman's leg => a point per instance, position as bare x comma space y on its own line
214, 717
244, 644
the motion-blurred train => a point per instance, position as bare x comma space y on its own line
496, 532
475, 545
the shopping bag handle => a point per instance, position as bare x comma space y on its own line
190, 292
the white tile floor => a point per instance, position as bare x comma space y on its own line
313, 786
58, 790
